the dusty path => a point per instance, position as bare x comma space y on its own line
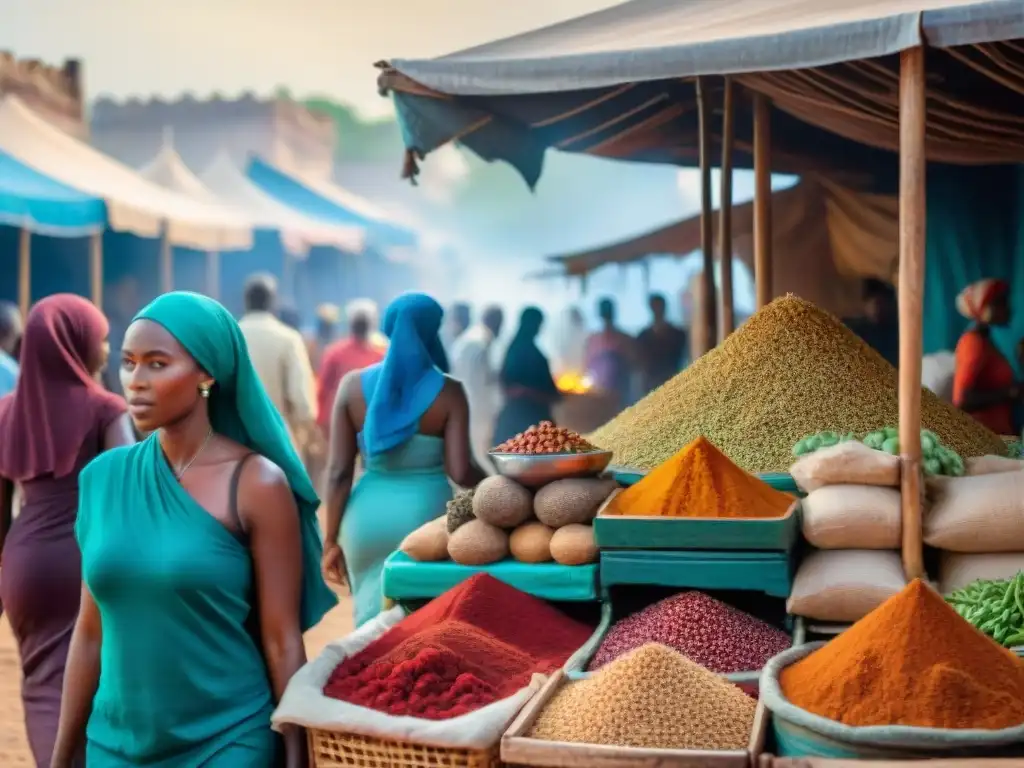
13, 746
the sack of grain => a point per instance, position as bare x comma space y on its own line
574, 544
565, 502
957, 570
852, 517
849, 463
477, 543
977, 514
531, 542
845, 585
990, 465
502, 501
429, 542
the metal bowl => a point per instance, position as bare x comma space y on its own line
535, 471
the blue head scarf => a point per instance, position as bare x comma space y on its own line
401, 388
241, 410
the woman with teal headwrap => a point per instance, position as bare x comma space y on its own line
199, 557
413, 423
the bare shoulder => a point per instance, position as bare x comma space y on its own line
453, 386
263, 489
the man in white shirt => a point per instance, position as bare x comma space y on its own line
280, 357
471, 363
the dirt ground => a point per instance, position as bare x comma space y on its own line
14, 751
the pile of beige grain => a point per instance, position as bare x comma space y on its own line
653, 697
791, 370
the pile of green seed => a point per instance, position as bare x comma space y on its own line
994, 607
654, 698
791, 370
459, 510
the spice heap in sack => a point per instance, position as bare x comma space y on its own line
474, 645
790, 370
701, 481
912, 661
545, 438
994, 607
652, 698
707, 631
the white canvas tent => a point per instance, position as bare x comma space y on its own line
134, 204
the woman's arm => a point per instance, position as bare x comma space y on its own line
6, 509
271, 518
459, 463
341, 468
81, 676
119, 432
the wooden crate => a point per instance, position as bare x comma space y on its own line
517, 749
337, 749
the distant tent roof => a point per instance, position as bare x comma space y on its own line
329, 202
133, 203
34, 201
298, 231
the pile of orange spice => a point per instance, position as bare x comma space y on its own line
701, 481
912, 661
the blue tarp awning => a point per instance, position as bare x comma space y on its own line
332, 204
33, 201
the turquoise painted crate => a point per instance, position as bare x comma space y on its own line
768, 572
696, 533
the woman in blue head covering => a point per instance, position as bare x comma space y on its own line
412, 422
530, 389
200, 556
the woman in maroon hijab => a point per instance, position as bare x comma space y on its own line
56, 420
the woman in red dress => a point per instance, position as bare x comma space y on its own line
984, 384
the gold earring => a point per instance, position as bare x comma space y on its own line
204, 390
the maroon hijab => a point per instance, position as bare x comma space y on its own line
57, 404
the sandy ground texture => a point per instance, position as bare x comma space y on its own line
14, 751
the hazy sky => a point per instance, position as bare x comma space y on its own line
145, 47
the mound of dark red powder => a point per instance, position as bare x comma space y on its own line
476, 644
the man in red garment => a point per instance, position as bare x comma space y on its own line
358, 350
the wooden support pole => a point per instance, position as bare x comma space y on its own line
707, 231
166, 262
762, 200
911, 299
96, 268
24, 271
213, 274
725, 213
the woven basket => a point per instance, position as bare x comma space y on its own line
337, 749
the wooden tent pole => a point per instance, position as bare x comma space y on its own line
762, 200
96, 268
707, 233
166, 261
213, 274
911, 299
725, 212
24, 271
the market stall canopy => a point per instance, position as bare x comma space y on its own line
133, 204
826, 240
619, 83
328, 202
34, 201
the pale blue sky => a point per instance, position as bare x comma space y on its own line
144, 47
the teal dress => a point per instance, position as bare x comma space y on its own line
183, 682
400, 490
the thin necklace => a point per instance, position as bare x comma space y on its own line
180, 474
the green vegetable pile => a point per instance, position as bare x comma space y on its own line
994, 607
1015, 449
936, 458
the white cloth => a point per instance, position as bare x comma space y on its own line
281, 359
572, 347
471, 364
937, 371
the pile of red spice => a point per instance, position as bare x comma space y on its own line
479, 642
706, 631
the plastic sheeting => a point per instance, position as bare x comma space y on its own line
133, 204
31, 200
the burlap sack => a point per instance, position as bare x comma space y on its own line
984, 513
845, 585
850, 463
852, 517
990, 465
957, 570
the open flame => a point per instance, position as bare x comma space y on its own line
574, 383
